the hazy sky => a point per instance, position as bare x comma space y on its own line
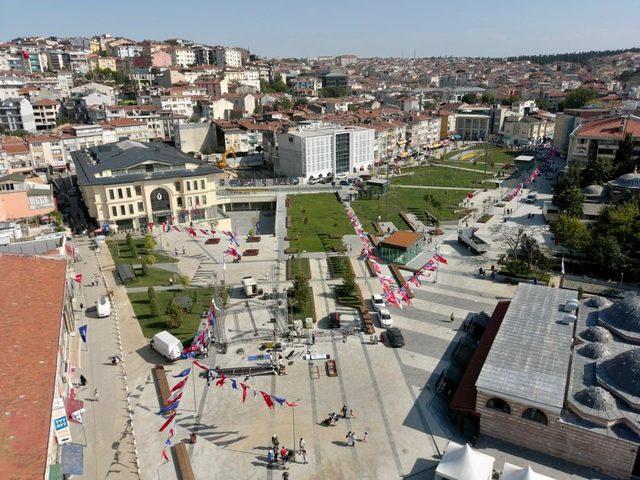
282, 28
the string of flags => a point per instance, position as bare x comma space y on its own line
394, 296
532, 176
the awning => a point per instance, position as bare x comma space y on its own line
74, 357
55, 472
72, 459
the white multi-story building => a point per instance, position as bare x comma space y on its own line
9, 86
17, 114
324, 151
45, 113
228, 57
183, 57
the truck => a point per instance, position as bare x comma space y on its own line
104, 307
250, 286
468, 237
167, 345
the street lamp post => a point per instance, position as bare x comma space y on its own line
293, 421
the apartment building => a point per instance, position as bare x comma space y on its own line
45, 113
307, 86
15, 154
567, 121
183, 57
472, 126
24, 196
228, 57
37, 288
10, 86
528, 130
213, 86
17, 114
129, 129
177, 102
129, 184
327, 150
423, 131
600, 138
390, 140
48, 152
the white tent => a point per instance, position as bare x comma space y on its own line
461, 462
513, 472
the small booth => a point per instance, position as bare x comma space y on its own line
513, 472
461, 462
376, 188
401, 247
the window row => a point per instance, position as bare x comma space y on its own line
122, 191
127, 209
531, 413
191, 184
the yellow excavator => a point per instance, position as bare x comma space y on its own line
222, 163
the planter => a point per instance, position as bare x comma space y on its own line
212, 241
253, 239
252, 252
291, 238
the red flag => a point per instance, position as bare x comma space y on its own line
78, 278
191, 231
204, 232
439, 258
164, 454
176, 228
267, 399
179, 385
167, 423
172, 398
150, 225
469, 194
244, 392
198, 364
25, 55
221, 380
291, 404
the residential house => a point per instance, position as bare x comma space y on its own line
24, 196
600, 138
45, 113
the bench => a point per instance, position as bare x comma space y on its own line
212, 241
183, 463
163, 384
367, 322
252, 252
332, 370
395, 271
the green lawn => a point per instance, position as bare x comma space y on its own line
404, 200
305, 311
121, 253
440, 177
323, 214
152, 325
298, 266
155, 277
338, 266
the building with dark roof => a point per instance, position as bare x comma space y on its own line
129, 184
562, 377
401, 246
36, 364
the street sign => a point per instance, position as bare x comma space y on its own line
60, 422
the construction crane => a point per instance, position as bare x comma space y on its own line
222, 163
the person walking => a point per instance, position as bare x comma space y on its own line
274, 441
284, 456
303, 449
171, 281
344, 411
83, 380
96, 395
365, 437
351, 439
452, 317
275, 455
270, 459
285, 475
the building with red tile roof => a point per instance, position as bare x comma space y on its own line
36, 324
601, 137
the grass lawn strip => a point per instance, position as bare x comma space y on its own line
121, 253
152, 325
436, 176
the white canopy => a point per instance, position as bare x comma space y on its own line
513, 472
461, 462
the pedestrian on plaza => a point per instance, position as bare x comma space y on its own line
283, 456
184, 252
270, 458
274, 441
275, 454
210, 376
83, 380
452, 317
171, 281
351, 414
351, 439
96, 395
176, 252
285, 475
344, 411
313, 338
81, 306
364, 437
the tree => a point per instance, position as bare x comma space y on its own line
144, 267
488, 97
567, 194
469, 98
543, 104
606, 251
151, 259
597, 171
579, 97
301, 291
185, 280
284, 103
149, 243
175, 314
570, 232
301, 101
625, 160
129, 239
333, 92
274, 87
154, 306
513, 237
349, 280
151, 293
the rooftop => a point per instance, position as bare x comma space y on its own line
530, 356
401, 239
28, 394
610, 128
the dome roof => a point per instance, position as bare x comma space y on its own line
597, 302
597, 334
593, 190
594, 350
623, 371
597, 398
623, 314
629, 181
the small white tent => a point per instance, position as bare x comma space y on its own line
461, 462
513, 472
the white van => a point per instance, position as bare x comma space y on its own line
167, 345
531, 198
104, 307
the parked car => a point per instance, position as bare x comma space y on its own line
344, 183
384, 316
531, 198
394, 337
378, 302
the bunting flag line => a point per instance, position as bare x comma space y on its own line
78, 278
267, 399
183, 373
167, 422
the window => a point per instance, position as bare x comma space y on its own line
177, 184
122, 210
119, 193
201, 184
114, 211
204, 199
111, 195
499, 404
128, 192
188, 186
140, 207
535, 415
190, 201
131, 209
179, 201
138, 190
195, 184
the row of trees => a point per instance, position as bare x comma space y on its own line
573, 57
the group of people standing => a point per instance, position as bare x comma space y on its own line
284, 454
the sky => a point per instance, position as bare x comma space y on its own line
306, 28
